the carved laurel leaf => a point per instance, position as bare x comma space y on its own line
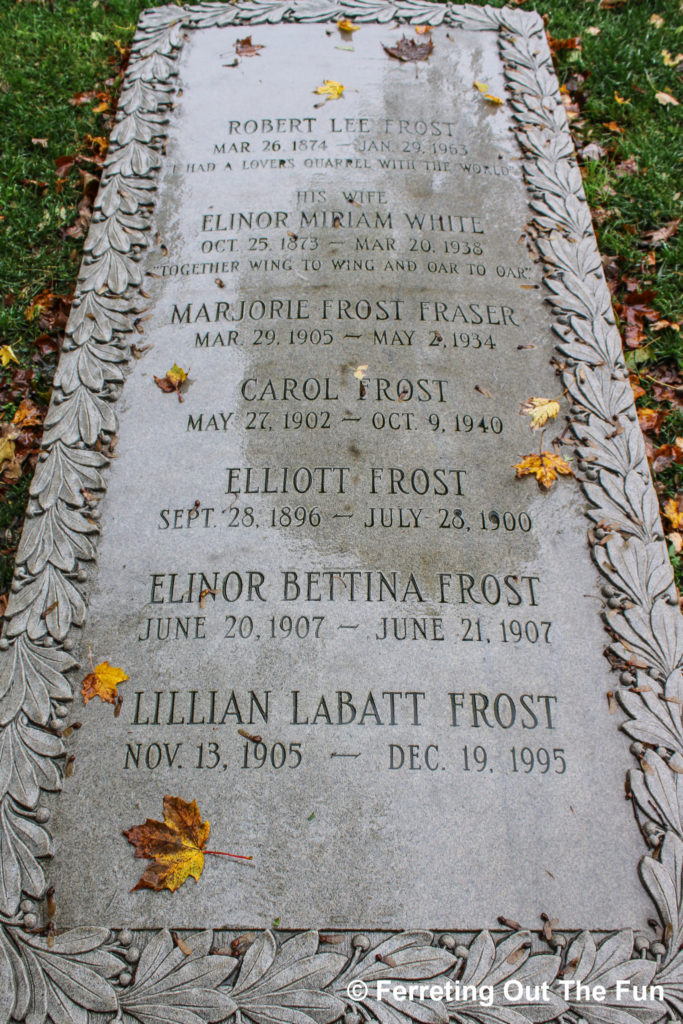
92, 366
411, 955
652, 718
59, 536
21, 842
636, 570
606, 965
491, 965
27, 765
286, 985
70, 977
64, 472
178, 989
662, 879
98, 316
31, 676
656, 791
49, 603
81, 416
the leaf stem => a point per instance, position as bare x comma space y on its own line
220, 853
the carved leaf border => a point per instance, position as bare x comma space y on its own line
91, 974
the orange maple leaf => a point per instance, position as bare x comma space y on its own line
545, 467
673, 510
176, 846
102, 682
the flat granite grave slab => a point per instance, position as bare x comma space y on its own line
404, 681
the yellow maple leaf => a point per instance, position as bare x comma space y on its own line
666, 99
27, 414
177, 375
674, 513
102, 682
484, 89
7, 450
346, 25
7, 355
620, 99
330, 88
545, 467
540, 410
176, 846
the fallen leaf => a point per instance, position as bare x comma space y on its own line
651, 419
572, 43
620, 99
27, 415
669, 61
657, 20
628, 166
423, 30
673, 511
593, 30
408, 50
40, 142
593, 151
7, 449
666, 99
484, 89
102, 682
346, 25
666, 455
174, 846
540, 410
663, 234
81, 98
333, 90
173, 381
545, 467
7, 355
245, 47
613, 126
360, 371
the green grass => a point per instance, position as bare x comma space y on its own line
55, 50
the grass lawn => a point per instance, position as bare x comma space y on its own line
60, 72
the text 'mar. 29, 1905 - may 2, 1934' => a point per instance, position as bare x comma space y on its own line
380, 660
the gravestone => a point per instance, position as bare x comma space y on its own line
406, 682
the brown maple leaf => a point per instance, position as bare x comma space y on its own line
545, 467
407, 49
245, 47
175, 846
663, 234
